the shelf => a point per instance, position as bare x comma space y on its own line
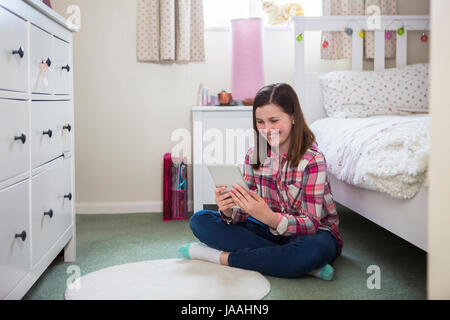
224, 108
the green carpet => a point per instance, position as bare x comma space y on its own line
108, 240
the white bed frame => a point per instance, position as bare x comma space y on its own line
406, 218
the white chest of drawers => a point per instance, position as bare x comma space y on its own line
221, 135
37, 218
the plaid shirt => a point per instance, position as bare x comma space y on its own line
300, 195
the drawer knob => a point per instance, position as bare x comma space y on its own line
67, 68
20, 52
22, 235
23, 138
49, 213
68, 196
67, 127
49, 133
48, 62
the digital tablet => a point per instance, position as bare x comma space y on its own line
227, 175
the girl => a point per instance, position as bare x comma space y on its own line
287, 224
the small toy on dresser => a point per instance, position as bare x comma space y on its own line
281, 14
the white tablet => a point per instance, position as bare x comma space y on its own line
227, 175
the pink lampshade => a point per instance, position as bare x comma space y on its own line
248, 64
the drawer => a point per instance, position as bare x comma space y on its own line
14, 67
51, 130
14, 220
14, 138
63, 67
41, 47
51, 206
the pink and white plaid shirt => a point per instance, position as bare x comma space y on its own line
301, 194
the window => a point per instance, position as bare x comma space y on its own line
218, 13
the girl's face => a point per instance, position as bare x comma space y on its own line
274, 125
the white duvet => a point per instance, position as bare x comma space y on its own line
384, 153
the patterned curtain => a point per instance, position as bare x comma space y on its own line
340, 44
170, 30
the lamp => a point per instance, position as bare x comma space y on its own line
248, 64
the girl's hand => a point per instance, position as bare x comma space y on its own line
224, 201
254, 205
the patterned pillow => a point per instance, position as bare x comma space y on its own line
359, 94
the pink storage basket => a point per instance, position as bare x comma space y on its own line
175, 188
167, 205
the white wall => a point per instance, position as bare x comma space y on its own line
125, 111
439, 205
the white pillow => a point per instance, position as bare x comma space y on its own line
357, 94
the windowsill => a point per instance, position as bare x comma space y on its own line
266, 28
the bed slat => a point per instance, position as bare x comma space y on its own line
357, 51
402, 49
379, 50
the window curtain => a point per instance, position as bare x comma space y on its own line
170, 30
340, 43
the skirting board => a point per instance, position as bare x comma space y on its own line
123, 207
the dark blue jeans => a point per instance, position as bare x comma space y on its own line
254, 247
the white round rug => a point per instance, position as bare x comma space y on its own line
173, 279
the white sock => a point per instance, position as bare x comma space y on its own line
325, 273
199, 251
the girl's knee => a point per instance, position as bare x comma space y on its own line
205, 225
200, 219
196, 219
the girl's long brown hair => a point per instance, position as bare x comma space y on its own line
302, 138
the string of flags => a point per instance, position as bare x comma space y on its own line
349, 31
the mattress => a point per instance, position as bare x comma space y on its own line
383, 153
